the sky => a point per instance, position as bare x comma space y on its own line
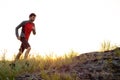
61, 25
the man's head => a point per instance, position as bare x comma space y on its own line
32, 17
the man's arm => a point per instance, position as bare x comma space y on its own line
16, 29
34, 30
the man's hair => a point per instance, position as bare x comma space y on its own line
32, 14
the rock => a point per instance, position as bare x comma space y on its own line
90, 66
27, 76
105, 68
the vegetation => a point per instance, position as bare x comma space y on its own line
48, 67
106, 46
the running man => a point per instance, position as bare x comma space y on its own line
27, 27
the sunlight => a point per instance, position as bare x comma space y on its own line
61, 26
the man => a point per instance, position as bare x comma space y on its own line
27, 27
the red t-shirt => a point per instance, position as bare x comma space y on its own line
27, 27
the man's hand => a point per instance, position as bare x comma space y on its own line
34, 32
18, 38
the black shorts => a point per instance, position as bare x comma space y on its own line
24, 44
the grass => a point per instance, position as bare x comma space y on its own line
106, 46
48, 67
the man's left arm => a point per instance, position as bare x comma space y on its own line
34, 30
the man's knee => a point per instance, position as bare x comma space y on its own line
29, 48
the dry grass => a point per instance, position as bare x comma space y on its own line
44, 65
48, 67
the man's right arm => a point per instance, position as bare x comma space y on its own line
16, 29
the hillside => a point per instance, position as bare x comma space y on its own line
87, 66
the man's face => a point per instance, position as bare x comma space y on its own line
32, 18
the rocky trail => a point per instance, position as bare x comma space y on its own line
87, 66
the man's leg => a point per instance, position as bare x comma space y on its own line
18, 55
20, 52
25, 45
27, 52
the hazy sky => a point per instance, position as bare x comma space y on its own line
61, 25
